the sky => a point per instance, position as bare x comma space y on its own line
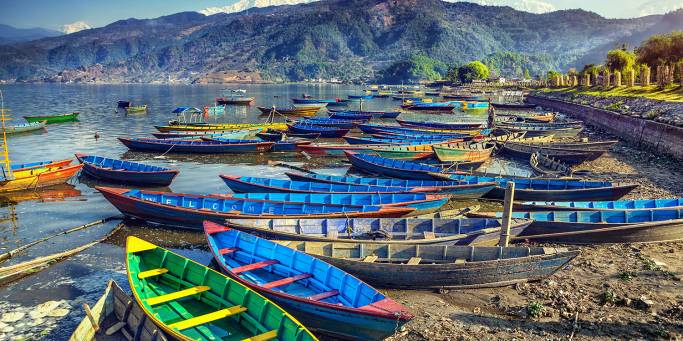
53, 14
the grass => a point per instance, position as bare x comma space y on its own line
670, 94
535, 309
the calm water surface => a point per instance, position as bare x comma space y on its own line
30, 216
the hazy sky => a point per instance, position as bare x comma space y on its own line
55, 13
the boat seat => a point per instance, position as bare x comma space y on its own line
177, 295
428, 235
151, 273
228, 250
370, 259
206, 318
414, 260
263, 337
286, 281
254, 266
323, 295
460, 261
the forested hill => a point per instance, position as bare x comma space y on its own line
347, 39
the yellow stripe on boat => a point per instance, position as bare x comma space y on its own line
263, 337
151, 273
206, 318
135, 245
177, 295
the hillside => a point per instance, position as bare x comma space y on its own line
10, 34
348, 39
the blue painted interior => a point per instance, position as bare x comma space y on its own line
115, 164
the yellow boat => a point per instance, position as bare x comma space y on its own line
226, 126
38, 177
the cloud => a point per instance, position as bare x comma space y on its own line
659, 7
532, 6
75, 27
242, 5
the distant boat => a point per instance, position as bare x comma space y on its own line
24, 128
49, 119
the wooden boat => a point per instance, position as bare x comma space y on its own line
440, 125
188, 211
162, 280
457, 190
362, 140
558, 132
220, 127
438, 106
596, 145
463, 151
546, 165
34, 178
122, 104
434, 231
529, 140
438, 266
277, 135
41, 164
460, 97
568, 124
189, 135
234, 100
613, 226
136, 109
125, 171
289, 145
326, 132
335, 149
422, 203
331, 122
49, 119
365, 97
652, 204
569, 156
249, 184
313, 100
403, 169
294, 111
116, 314
405, 152
513, 105
403, 131
24, 128
191, 146
375, 114
331, 301
349, 116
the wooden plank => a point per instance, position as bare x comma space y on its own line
370, 259
460, 261
206, 318
227, 250
429, 235
177, 295
414, 260
263, 337
254, 266
151, 273
323, 295
507, 214
286, 281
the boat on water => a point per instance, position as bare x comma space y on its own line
49, 119
293, 111
395, 140
363, 97
406, 152
431, 231
220, 307
331, 301
37, 177
119, 311
518, 106
463, 151
403, 169
25, 128
415, 266
41, 164
331, 122
422, 202
314, 100
219, 127
192, 146
234, 100
278, 135
136, 109
188, 210
375, 114
406, 131
325, 132
441, 125
127, 172
229, 134
456, 190
640, 204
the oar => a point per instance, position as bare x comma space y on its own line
7, 255
286, 165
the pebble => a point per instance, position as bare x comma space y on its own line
61, 312
12, 317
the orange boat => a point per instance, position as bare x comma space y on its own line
38, 177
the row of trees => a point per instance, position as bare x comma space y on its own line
659, 55
475, 70
422, 67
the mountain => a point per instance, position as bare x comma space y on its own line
75, 27
346, 39
243, 5
10, 34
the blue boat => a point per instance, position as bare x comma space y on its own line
440, 125
125, 171
279, 146
187, 146
458, 190
414, 231
331, 122
331, 301
313, 100
525, 188
360, 96
349, 116
375, 114
384, 129
249, 184
326, 132
189, 211
599, 205
39, 164
395, 140
338, 103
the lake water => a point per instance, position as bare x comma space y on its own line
30, 216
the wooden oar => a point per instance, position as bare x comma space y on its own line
7, 255
286, 165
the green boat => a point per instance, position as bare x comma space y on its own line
136, 109
410, 152
192, 302
53, 118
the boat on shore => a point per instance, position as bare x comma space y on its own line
127, 172
192, 146
463, 151
640, 204
325, 132
50, 119
331, 301
162, 282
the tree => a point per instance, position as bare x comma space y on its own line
526, 74
552, 74
661, 49
620, 60
452, 74
473, 71
418, 67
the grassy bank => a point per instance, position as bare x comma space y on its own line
670, 94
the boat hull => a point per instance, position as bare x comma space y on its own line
127, 177
209, 148
39, 177
587, 194
53, 119
604, 233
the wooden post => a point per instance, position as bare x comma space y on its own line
507, 215
617, 78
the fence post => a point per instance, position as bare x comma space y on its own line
507, 214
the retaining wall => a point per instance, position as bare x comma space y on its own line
649, 134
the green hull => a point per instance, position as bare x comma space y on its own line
53, 119
192, 302
402, 155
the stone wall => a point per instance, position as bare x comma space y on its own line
653, 135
